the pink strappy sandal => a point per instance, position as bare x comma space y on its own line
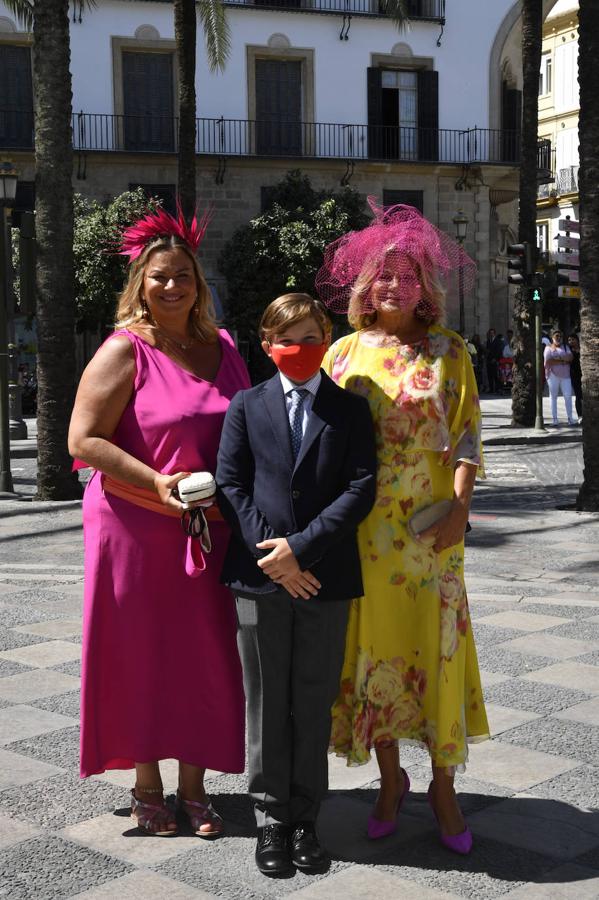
153, 818
201, 814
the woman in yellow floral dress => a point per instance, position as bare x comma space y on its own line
410, 672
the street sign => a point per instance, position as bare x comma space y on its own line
572, 293
569, 225
567, 259
566, 242
571, 274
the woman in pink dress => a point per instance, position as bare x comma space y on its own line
161, 675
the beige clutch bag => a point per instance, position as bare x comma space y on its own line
426, 517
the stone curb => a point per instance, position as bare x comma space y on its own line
531, 438
21, 506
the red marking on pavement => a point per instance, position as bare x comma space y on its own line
478, 517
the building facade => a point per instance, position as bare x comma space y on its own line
427, 116
558, 123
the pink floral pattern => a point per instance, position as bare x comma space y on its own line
410, 671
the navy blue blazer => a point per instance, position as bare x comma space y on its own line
316, 503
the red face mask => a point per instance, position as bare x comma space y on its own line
298, 361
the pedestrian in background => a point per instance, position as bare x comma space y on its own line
161, 675
478, 361
411, 671
493, 351
576, 373
557, 359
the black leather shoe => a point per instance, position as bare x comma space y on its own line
306, 852
273, 856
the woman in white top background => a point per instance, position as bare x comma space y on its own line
557, 359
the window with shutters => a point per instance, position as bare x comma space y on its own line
403, 113
545, 75
281, 101
145, 90
166, 193
148, 101
16, 103
400, 114
410, 198
24, 201
543, 237
278, 107
511, 118
565, 90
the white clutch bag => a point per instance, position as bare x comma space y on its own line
426, 517
197, 486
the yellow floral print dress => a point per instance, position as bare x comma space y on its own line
410, 670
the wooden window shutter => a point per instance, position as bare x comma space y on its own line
148, 101
428, 115
374, 77
16, 116
511, 119
391, 197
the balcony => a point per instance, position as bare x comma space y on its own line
418, 10
567, 180
285, 140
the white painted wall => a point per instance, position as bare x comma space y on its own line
340, 66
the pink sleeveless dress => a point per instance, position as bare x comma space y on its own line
161, 676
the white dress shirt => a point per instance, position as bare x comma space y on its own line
311, 386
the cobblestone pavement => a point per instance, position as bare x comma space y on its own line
531, 794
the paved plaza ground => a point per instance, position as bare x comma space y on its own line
531, 794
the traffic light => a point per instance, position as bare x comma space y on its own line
521, 263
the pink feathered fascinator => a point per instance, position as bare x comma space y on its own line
398, 236
161, 224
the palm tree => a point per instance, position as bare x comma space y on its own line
523, 391
588, 77
218, 46
55, 313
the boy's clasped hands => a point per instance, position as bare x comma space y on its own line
282, 567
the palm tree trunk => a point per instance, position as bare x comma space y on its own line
588, 77
523, 391
54, 234
185, 36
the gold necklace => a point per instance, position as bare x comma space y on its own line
182, 346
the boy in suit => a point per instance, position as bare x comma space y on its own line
296, 474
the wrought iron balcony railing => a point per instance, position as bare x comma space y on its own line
318, 140
421, 10
291, 140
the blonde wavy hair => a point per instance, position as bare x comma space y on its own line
433, 294
131, 309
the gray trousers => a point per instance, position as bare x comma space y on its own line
292, 653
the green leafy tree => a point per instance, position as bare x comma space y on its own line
99, 269
281, 250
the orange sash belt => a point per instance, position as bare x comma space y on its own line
150, 500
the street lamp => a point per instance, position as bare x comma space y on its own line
460, 220
8, 191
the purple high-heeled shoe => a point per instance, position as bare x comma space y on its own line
379, 829
459, 843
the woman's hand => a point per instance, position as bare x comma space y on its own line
164, 486
449, 530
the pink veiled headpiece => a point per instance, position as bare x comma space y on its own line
400, 239
161, 224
